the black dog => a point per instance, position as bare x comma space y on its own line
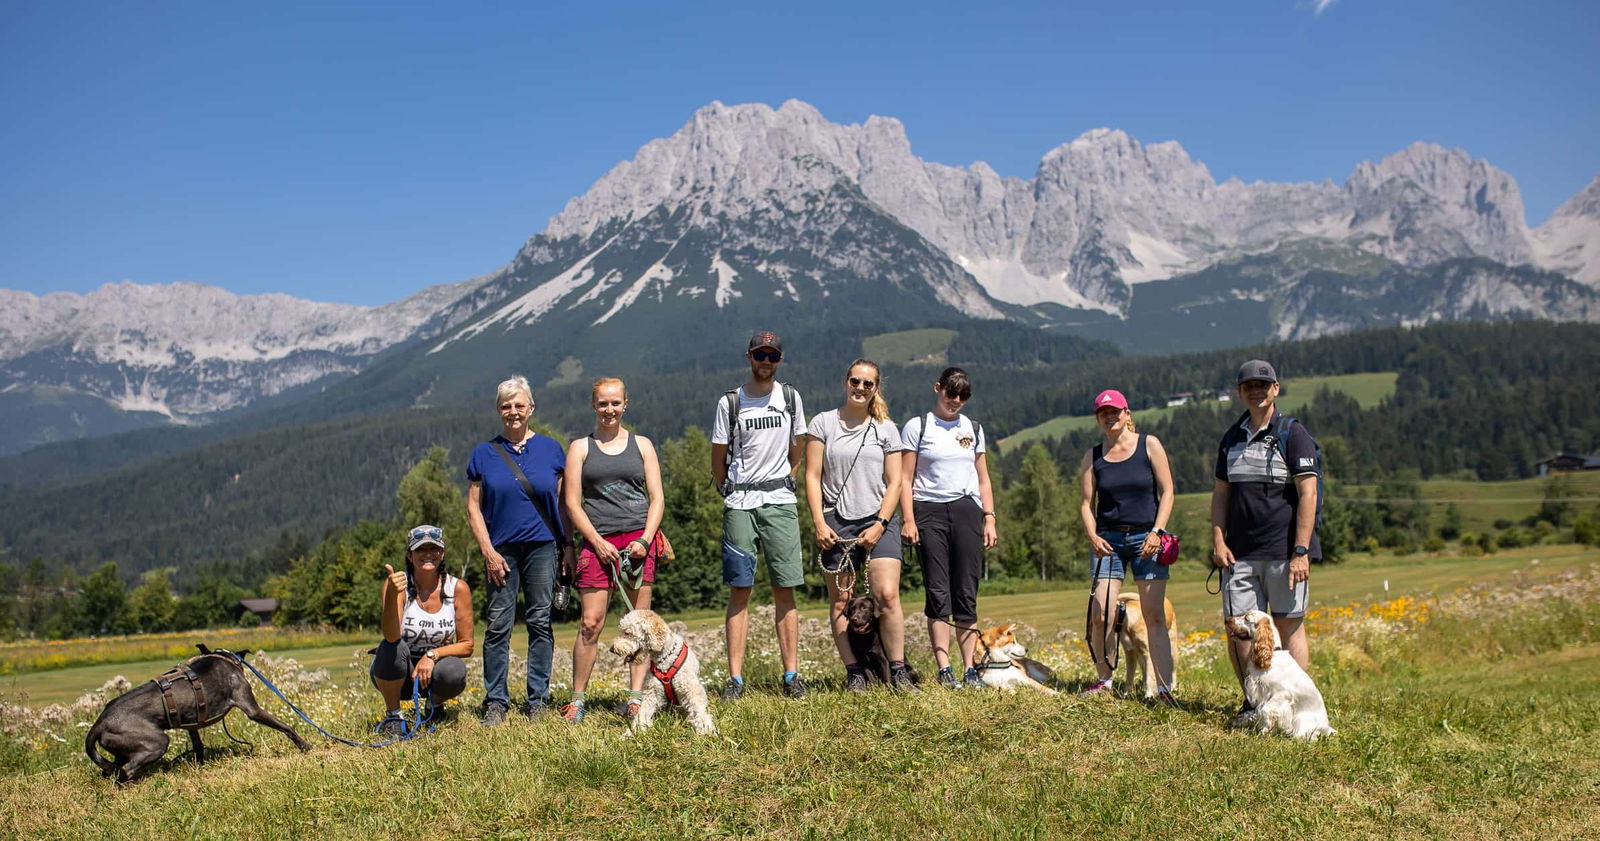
132, 727
866, 644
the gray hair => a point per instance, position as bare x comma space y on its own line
515, 385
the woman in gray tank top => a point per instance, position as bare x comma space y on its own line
612, 494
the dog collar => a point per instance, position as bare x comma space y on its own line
994, 666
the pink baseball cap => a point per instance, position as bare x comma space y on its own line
1110, 397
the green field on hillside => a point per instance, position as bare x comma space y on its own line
909, 347
1368, 389
1462, 713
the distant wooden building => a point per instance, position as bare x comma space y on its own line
262, 608
1180, 398
1568, 463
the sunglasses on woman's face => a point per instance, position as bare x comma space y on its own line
765, 355
857, 382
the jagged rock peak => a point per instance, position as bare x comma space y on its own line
1585, 204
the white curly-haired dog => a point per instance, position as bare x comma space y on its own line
1285, 699
674, 669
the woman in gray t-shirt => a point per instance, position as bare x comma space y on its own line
853, 489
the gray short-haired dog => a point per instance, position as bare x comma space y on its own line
132, 727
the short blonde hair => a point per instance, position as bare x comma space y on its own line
513, 386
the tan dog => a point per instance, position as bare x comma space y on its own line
1003, 662
674, 670
1136, 644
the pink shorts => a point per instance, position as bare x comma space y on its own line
594, 574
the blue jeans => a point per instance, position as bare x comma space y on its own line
533, 571
1125, 548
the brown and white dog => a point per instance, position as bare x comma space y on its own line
1136, 644
1003, 662
674, 670
1285, 699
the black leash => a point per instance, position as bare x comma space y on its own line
1108, 630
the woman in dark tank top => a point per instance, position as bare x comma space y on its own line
613, 499
1127, 500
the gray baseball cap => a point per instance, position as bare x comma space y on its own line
1257, 369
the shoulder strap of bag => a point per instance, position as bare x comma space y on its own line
527, 488
731, 401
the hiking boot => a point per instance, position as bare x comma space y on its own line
947, 678
900, 678
855, 680
972, 680
534, 709
494, 714
572, 713
1099, 687
795, 687
1165, 699
733, 691
1245, 719
393, 726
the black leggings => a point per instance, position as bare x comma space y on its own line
951, 534
393, 661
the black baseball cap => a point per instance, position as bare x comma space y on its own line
766, 338
1257, 369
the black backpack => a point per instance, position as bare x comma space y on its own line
731, 403
1279, 439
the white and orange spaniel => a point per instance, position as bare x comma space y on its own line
674, 670
1285, 699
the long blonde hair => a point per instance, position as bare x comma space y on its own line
1132, 427
878, 409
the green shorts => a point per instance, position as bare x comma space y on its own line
777, 529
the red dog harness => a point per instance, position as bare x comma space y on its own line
671, 672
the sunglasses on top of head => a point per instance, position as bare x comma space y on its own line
868, 385
427, 533
766, 355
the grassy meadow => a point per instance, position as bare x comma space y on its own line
1368, 389
1463, 697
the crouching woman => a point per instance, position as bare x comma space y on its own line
427, 631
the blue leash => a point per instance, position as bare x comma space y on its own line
408, 730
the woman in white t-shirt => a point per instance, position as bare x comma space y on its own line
853, 489
949, 511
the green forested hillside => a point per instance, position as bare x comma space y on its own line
1489, 400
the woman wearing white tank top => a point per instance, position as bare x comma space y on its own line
427, 630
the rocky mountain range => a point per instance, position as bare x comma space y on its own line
750, 214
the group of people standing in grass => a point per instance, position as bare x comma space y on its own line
595, 509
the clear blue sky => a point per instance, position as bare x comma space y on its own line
359, 152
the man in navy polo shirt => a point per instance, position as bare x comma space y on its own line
1263, 520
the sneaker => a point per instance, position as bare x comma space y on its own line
900, 678
855, 680
971, 680
795, 687
1099, 687
1246, 718
494, 714
733, 691
534, 709
572, 713
947, 678
630, 710
392, 726
1165, 699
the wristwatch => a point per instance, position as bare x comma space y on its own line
883, 522
432, 655
1301, 551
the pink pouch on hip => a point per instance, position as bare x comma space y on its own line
1168, 553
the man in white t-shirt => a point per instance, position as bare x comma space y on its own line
753, 461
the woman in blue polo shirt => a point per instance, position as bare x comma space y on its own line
1127, 499
514, 509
